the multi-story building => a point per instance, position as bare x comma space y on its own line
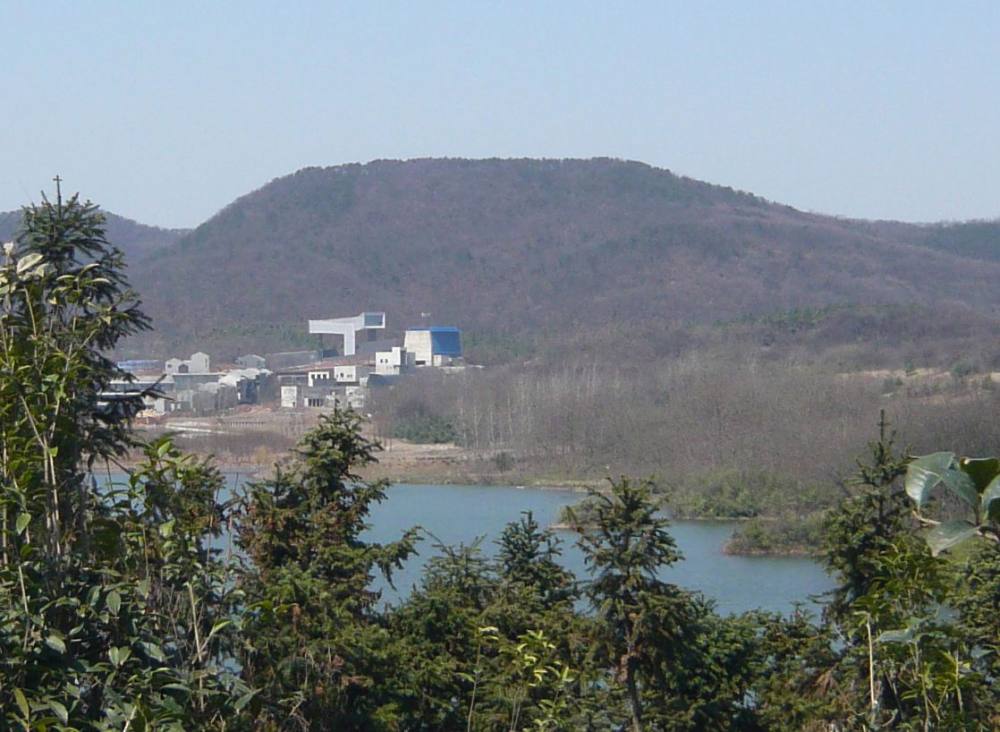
434, 345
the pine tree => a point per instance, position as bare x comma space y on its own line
316, 645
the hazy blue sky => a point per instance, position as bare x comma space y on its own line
165, 112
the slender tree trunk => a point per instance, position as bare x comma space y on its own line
633, 697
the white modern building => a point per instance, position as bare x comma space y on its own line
367, 323
350, 374
319, 378
199, 363
392, 362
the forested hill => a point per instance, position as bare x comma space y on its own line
134, 239
505, 248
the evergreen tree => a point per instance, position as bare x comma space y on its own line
528, 557
644, 625
316, 646
865, 525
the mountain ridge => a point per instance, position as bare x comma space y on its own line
528, 249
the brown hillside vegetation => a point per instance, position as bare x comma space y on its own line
135, 239
514, 250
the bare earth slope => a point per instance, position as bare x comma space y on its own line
535, 246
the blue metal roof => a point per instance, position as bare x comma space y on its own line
446, 342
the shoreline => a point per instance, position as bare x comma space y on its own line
487, 481
424, 474
795, 552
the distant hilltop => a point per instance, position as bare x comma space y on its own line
135, 239
517, 251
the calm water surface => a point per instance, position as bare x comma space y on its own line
457, 514
460, 514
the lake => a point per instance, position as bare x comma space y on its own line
459, 514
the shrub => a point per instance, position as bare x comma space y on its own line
961, 369
503, 461
425, 428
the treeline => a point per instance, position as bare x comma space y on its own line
770, 441
848, 336
702, 423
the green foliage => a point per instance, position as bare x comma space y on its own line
528, 557
425, 428
503, 461
864, 527
784, 535
491, 644
963, 368
744, 493
904, 660
976, 600
643, 623
975, 482
65, 301
795, 682
530, 671
114, 611
579, 515
314, 646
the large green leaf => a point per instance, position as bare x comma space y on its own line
216, 628
962, 486
923, 474
991, 501
176, 687
949, 534
244, 700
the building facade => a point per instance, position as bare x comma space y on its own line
434, 346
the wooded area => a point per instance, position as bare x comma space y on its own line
118, 610
536, 256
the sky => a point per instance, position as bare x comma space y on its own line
166, 112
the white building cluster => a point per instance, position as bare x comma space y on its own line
338, 377
366, 361
190, 385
